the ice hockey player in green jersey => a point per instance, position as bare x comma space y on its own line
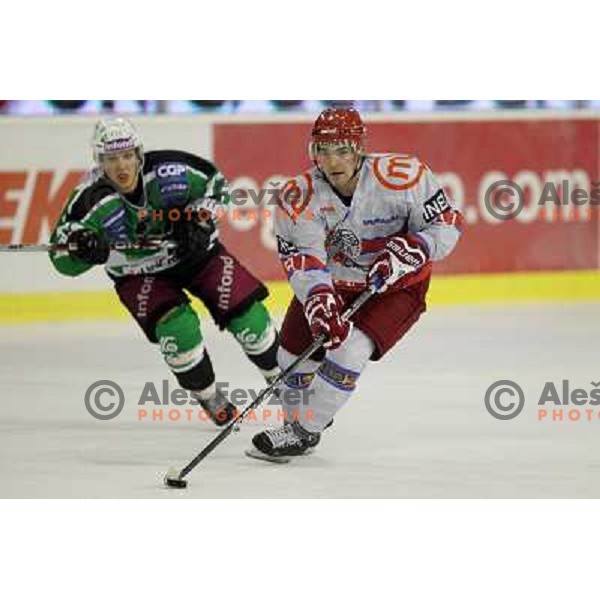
132, 196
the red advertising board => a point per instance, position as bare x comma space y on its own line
31, 202
468, 157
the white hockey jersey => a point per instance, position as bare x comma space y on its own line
321, 241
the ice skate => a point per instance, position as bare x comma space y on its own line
282, 444
220, 410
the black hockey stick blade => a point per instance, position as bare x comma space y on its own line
173, 479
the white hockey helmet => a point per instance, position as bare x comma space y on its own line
116, 135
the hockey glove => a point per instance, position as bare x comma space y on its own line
193, 236
89, 246
322, 309
402, 257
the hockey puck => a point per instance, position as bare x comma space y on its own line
173, 480
176, 483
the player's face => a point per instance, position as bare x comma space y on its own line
339, 165
122, 169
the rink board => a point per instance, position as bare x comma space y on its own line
554, 258
570, 286
467, 156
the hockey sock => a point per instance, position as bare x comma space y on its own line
335, 381
295, 387
258, 337
183, 349
200, 379
180, 339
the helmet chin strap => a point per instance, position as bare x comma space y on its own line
359, 164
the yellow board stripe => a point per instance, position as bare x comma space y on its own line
566, 286
539, 286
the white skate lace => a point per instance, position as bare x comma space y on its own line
284, 436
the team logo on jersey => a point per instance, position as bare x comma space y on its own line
342, 244
435, 206
397, 172
172, 183
292, 198
170, 170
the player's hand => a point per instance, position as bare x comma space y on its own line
402, 257
89, 246
322, 309
193, 236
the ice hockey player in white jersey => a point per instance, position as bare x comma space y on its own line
354, 221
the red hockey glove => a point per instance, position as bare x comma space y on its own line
403, 256
322, 309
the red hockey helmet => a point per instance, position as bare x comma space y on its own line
338, 126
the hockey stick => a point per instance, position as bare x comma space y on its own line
149, 244
174, 478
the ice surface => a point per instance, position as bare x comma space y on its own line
417, 426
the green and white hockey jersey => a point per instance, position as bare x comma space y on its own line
172, 182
